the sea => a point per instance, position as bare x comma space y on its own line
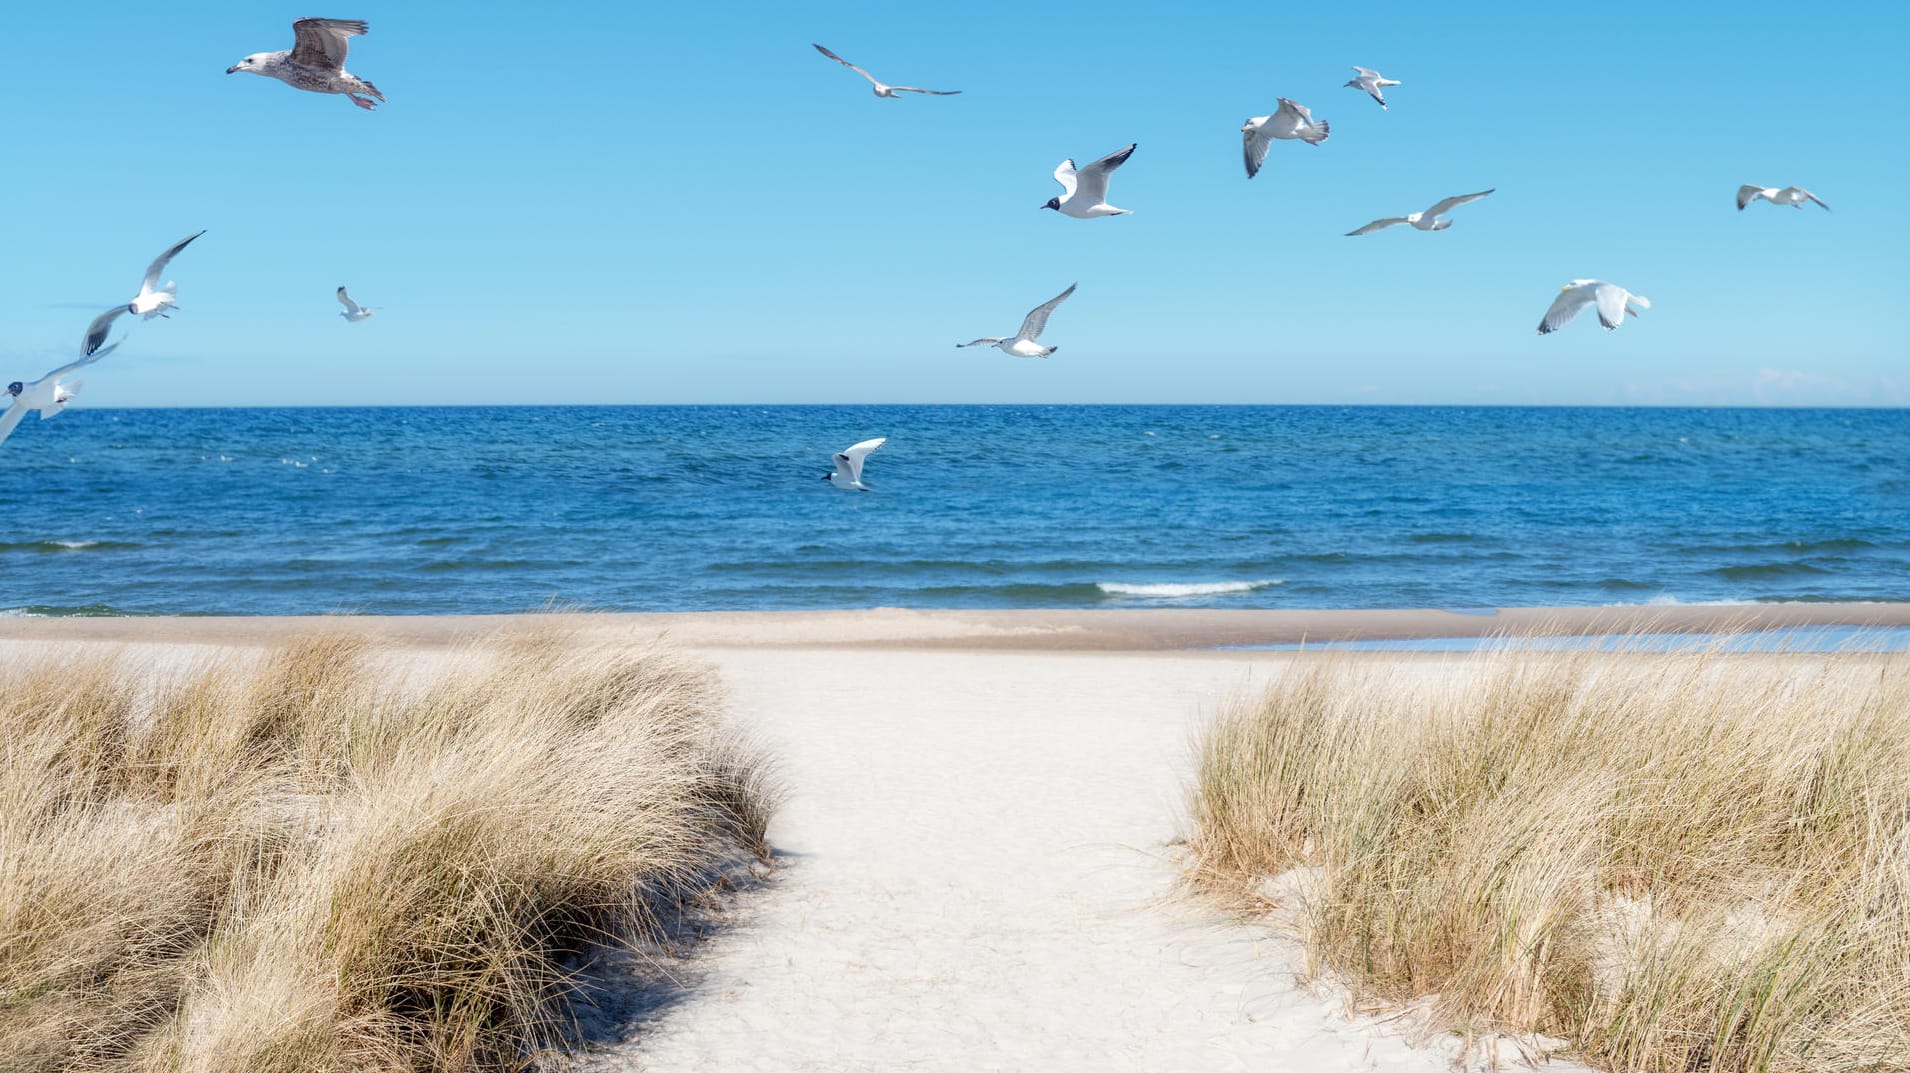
441, 510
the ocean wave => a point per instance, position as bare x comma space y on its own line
1768, 571
63, 611
1185, 591
55, 547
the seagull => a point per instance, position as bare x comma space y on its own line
1613, 303
353, 311
1023, 344
882, 89
152, 299
1371, 81
316, 61
1794, 196
1085, 192
50, 393
1290, 120
848, 474
1424, 221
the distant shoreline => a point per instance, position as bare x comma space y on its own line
1100, 630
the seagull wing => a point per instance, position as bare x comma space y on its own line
1611, 304
850, 66
987, 340
1748, 194
1452, 203
1094, 177
1038, 316
11, 419
1813, 197
1379, 225
1064, 174
322, 42
1564, 308
345, 300
1290, 117
80, 364
97, 331
158, 267
1257, 141
1365, 72
934, 92
849, 462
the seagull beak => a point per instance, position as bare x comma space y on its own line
231, 69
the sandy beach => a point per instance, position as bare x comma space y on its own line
979, 851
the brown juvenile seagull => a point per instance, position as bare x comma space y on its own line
882, 89
317, 61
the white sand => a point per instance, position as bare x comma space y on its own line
980, 878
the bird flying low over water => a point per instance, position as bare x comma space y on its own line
1794, 196
316, 61
1085, 192
50, 393
1613, 303
1372, 81
1424, 221
1290, 120
882, 89
848, 474
1022, 344
153, 300
353, 311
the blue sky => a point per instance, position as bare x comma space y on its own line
646, 203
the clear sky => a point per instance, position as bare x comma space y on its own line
663, 203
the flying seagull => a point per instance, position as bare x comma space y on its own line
1424, 221
1794, 196
883, 89
353, 311
1290, 120
1613, 303
1372, 81
1023, 344
848, 474
316, 61
50, 393
153, 300
1085, 192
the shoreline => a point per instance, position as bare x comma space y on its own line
1186, 630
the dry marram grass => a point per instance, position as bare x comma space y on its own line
1677, 862
297, 861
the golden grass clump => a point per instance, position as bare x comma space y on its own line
309, 859
1692, 861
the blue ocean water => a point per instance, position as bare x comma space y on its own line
441, 510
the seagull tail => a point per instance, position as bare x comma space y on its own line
1323, 131
1640, 301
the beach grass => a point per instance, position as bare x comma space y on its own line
317, 857
1693, 861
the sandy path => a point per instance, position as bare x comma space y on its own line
979, 880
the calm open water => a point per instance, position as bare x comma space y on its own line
440, 510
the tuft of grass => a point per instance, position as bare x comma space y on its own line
300, 860
1694, 861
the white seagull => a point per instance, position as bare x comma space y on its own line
50, 393
848, 474
1424, 221
1794, 196
1023, 344
1290, 120
1371, 81
882, 89
153, 300
353, 311
1613, 303
316, 61
1085, 192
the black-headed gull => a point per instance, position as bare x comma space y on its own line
848, 474
1290, 120
882, 89
1085, 192
316, 61
1794, 196
1371, 81
153, 300
1022, 344
50, 393
1613, 303
353, 311
1425, 221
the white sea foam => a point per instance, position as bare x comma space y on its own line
75, 545
1184, 592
